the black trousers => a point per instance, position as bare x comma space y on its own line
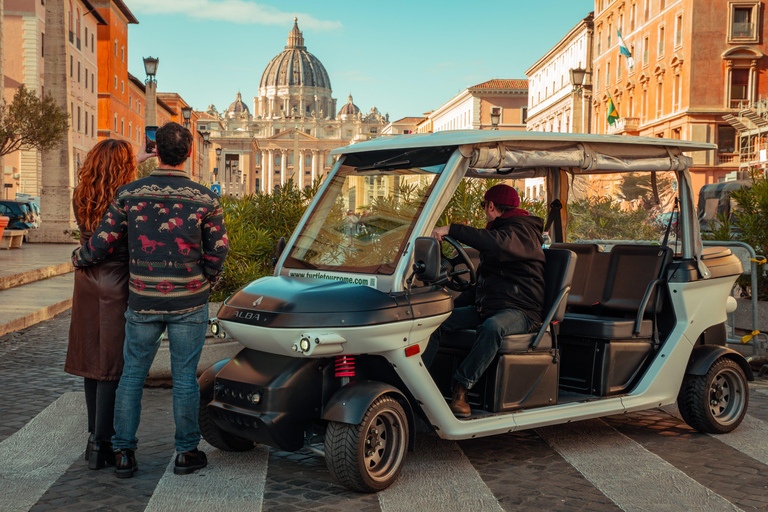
100, 401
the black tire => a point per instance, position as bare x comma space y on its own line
715, 403
217, 437
368, 457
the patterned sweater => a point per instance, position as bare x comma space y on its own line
176, 238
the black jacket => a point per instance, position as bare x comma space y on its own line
511, 271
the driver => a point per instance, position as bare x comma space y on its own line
509, 294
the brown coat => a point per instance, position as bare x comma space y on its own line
97, 329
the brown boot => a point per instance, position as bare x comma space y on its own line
459, 405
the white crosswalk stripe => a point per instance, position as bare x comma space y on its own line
631, 476
37, 455
438, 476
232, 481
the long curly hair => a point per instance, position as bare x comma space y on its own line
107, 167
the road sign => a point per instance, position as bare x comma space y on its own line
216, 189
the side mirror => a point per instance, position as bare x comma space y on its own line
279, 248
426, 259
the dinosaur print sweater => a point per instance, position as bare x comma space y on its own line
176, 238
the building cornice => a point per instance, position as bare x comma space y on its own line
583, 26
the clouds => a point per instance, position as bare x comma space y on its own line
235, 11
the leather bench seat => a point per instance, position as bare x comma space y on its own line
604, 327
512, 344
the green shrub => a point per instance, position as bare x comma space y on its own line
601, 218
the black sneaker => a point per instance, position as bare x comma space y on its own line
125, 463
189, 462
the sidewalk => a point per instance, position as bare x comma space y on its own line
36, 283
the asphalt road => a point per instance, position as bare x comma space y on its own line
635, 462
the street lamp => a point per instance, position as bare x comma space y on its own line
186, 113
577, 79
495, 117
150, 112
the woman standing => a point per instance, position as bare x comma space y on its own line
97, 328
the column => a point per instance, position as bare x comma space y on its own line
270, 177
264, 171
314, 165
283, 166
298, 168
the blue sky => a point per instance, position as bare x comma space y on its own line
404, 57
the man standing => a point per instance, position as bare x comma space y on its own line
509, 295
177, 242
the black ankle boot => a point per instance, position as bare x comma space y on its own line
101, 455
125, 463
89, 446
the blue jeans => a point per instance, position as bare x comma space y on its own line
186, 334
488, 336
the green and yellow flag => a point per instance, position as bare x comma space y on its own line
613, 115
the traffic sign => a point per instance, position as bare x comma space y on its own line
216, 189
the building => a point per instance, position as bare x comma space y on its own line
425, 125
471, 109
692, 68
23, 46
178, 106
402, 126
292, 129
555, 103
120, 113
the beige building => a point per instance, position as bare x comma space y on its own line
402, 126
23, 44
471, 109
555, 104
292, 129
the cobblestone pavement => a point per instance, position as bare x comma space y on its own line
519, 471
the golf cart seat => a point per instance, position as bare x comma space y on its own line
523, 360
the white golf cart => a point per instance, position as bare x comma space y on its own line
333, 341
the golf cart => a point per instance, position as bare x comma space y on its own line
333, 341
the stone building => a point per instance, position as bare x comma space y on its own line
292, 129
471, 109
695, 62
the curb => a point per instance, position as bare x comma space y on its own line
38, 316
37, 274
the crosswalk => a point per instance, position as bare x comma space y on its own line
437, 476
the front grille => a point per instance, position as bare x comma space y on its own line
237, 393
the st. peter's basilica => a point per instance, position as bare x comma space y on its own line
292, 130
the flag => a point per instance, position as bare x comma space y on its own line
612, 114
624, 50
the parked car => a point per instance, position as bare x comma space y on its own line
32, 211
332, 342
19, 213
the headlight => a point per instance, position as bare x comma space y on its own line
215, 328
304, 344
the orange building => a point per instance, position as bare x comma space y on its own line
691, 68
118, 113
177, 105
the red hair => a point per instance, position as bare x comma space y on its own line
107, 167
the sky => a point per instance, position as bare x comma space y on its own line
403, 57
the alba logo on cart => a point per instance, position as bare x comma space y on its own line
258, 301
246, 315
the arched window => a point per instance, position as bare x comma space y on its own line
78, 23
70, 17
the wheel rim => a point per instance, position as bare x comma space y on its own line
384, 445
726, 396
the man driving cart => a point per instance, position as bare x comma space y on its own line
509, 294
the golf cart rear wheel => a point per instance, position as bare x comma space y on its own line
715, 403
217, 437
368, 456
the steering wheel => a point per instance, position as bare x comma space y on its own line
452, 275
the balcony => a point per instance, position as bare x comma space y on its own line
625, 126
727, 158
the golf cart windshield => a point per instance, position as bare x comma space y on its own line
364, 218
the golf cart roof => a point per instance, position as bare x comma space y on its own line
493, 152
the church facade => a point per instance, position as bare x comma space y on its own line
291, 131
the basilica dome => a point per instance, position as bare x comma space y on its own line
295, 66
238, 107
349, 110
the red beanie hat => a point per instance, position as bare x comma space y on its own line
503, 195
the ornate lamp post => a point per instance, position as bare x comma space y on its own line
495, 117
150, 112
577, 81
186, 113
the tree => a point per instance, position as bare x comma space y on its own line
29, 122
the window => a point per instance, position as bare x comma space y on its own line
86, 123
646, 49
71, 66
632, 17
608, 75
618, 68
42, 44
93, 47
662, 5
93, 126
115, 81
661, 42
726, 138
78, 118
739, 87
677, 92
743, 21
122, 86
78, 71
677, 133
597, 78
115, 123
92, 81
115, 47
679, 30
647, 10
659, 99
644, 106
599, 42
86, 78
122, 126
122, 53
632, 52
610, 31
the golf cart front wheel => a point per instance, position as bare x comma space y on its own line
368, 457
715, 403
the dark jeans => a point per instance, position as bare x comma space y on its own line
100, 401
488, 336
